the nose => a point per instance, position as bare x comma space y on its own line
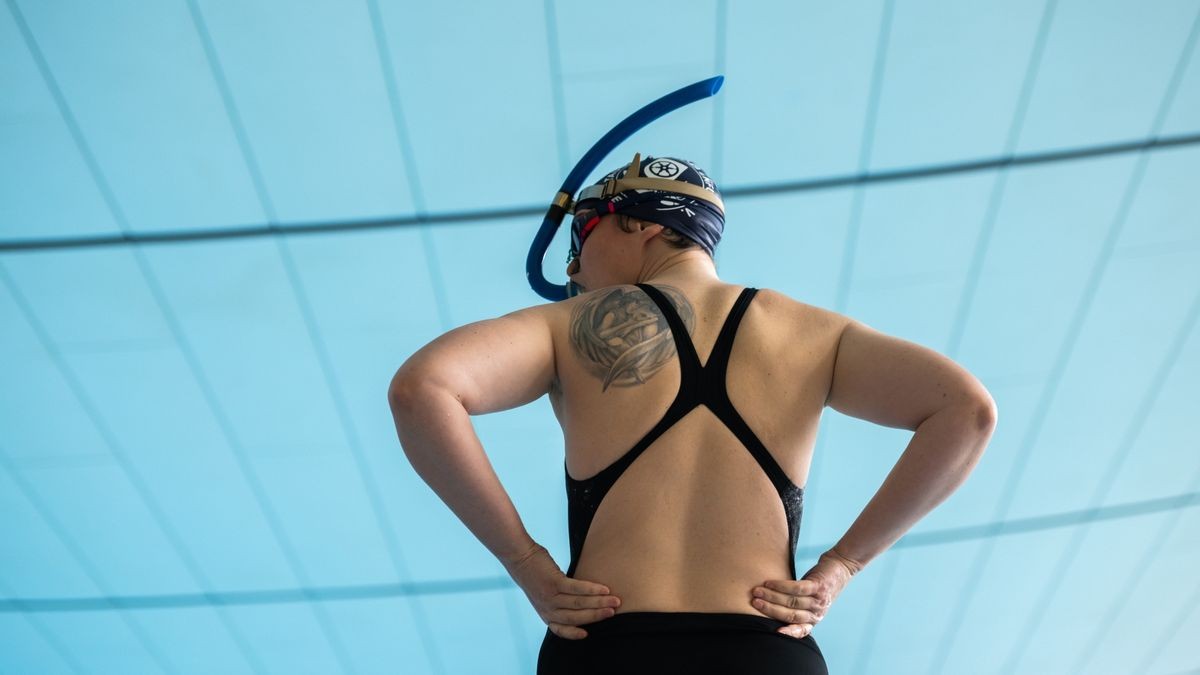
573, 267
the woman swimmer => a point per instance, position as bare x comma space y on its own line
689, 557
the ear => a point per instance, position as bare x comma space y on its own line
649, 230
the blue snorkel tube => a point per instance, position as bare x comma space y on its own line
563, 200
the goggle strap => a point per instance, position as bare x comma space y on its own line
612, 187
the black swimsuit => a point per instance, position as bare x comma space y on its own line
684, 642
698, 385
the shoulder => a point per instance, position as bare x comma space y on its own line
783, 307
597, 296
554, 313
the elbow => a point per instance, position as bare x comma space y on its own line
975, 412
395, 397
412, 387
985, 414
400, 391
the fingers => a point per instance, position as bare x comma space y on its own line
568, 632
795, 587
565, 601
789, 601
788, 607
581, 594
579, 602
820, 595
787, 614
581, 587
569, 615
796, 630
565, 622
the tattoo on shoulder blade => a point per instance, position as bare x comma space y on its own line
621, 335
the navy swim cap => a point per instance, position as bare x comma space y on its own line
672, 192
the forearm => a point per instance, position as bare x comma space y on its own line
439, 440
943, 451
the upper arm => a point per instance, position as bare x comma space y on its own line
896, 383
489, 365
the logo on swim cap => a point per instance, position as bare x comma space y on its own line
666, 168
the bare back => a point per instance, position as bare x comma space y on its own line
694, 522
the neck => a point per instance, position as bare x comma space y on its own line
680, 267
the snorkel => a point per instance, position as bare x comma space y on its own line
563, 202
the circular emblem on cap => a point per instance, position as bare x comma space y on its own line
664, 168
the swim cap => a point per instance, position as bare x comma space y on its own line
672, 192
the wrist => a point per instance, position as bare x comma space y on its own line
851, 564
517, 557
